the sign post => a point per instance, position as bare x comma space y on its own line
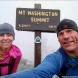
37, 20
37, 56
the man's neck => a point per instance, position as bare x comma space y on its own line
73, 53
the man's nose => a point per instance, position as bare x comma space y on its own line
66, 36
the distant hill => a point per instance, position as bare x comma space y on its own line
25, 64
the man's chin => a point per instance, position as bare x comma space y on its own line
68, 49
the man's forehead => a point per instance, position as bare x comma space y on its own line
66, 30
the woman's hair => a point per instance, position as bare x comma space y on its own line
1, 54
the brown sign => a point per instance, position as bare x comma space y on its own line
37, 19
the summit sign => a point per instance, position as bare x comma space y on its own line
37, 19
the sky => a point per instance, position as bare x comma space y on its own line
25, 39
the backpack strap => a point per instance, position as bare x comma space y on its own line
3, 65
10, 65
65, 61
11, 62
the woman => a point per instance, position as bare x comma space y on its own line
10, 54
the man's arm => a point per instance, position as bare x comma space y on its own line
47, 69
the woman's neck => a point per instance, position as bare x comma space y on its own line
6, 49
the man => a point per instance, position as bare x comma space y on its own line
67, 34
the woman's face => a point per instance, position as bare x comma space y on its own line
6, 41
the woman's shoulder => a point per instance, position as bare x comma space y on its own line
15, 51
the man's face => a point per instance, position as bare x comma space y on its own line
68, 39
6, 40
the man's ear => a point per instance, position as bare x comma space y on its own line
57, 38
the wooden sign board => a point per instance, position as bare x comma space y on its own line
29, 19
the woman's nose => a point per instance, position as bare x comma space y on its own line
5, 37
